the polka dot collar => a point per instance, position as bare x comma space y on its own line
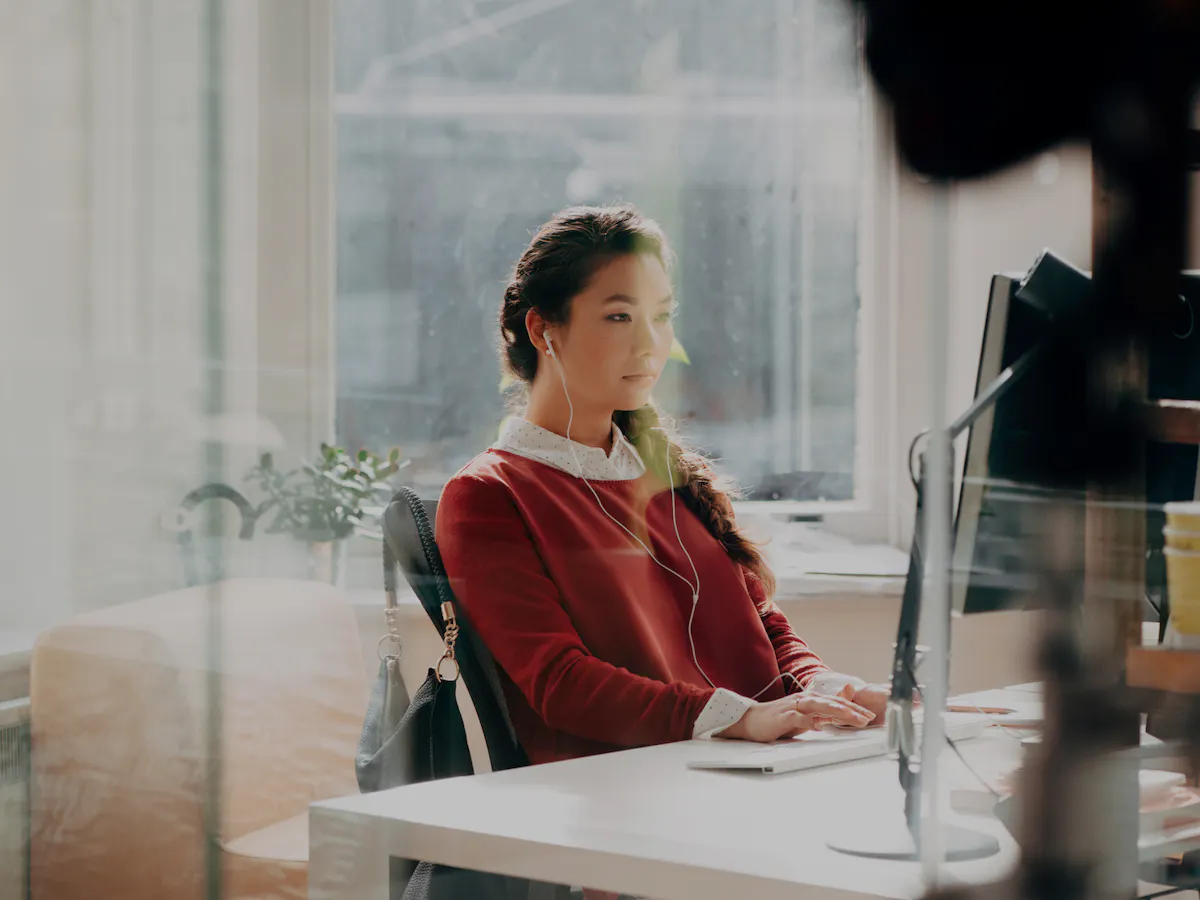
523, 438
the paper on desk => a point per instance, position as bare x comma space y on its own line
1022, 714
876, 561
1164, 800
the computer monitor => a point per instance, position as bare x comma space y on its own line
1027, 426
1002, 491
1002, 494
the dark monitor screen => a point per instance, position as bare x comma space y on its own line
1001, 523
1001, 503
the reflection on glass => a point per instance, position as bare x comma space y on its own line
158, 737
192, 672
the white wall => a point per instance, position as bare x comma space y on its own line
999, 224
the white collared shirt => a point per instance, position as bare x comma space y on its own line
621, 463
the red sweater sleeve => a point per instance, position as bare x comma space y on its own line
793, 655
499, 578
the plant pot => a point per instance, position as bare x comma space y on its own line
327, 561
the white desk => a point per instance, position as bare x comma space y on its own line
640, 822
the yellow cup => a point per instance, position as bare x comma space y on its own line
1183, 585
1182, 540
1184, 515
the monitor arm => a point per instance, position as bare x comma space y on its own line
901, 733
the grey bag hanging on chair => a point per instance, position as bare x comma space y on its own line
405, 741
385, 750
408, 741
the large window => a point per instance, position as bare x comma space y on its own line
464, 125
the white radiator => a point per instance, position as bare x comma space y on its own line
14, 800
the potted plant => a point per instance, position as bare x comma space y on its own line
325, 502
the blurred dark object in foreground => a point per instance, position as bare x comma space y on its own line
976, 87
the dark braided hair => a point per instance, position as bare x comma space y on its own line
555, 267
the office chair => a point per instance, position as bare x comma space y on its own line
409, 542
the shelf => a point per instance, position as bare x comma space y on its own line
1163, 669
1173, 421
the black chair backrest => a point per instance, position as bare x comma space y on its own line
187, 545
409, 541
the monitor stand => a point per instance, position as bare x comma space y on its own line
898, 837
890, 838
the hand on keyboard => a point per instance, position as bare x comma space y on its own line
873, 697
796, 714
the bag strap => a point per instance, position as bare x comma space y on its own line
390, 610
426, 573
449, 638
446, 668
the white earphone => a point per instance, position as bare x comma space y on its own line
695, 588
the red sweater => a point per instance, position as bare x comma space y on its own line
589, 633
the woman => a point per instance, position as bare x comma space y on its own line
600, 560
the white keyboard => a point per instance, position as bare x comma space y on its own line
820, 748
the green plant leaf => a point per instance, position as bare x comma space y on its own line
327, 497
678, 353
339, 480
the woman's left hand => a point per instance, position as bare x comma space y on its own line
873, 697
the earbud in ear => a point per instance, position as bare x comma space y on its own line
550, 346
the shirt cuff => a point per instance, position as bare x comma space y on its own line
831, 683
724, 708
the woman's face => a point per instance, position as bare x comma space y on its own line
618, 333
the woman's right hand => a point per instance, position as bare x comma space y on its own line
793, 715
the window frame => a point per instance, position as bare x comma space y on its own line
871, 513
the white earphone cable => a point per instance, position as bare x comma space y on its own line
695, 588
